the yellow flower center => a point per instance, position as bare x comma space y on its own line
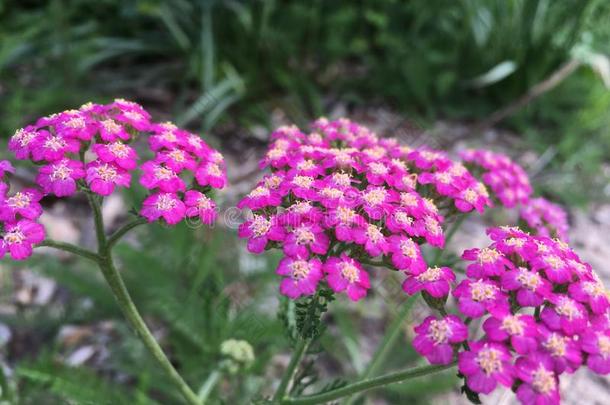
260, 226
375, 196
480, 291
544, 381
111, 126
303, 181
430, 275
118, 149
512, 325
350, 272
556, 345
19, 200
439, 331
165, 203
488, 255
300, 269
489, 360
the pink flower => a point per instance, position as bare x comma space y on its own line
111, 131
155, 175
305, 238
260, 231
177, 160
301, 276
376, 201
260, 197
406, 254
60, 177
102, 177
531, 289
163, 205
166, 136
519, 330
566, 315
554, 267
546, 218
24, 203
18, 239
435, 281
302, 186
118, 153
346, 274
51, 147
591, 292
373, 240
435, 338
344, 220
72, 124
474, 196
489, 262
485, 365
211, 174
132, 114
22, 141
540, 384
562, 350
6, 167
597, 345
199, 205
476, 297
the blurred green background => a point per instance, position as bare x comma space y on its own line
222, 67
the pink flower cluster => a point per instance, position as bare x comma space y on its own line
546, 218
340, 196
546, 312
92, 149
19, 213
511, 186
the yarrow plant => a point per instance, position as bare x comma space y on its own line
92, 150
339, 200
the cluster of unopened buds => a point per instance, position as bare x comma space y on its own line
339, 199
93, 149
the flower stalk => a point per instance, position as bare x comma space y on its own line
367, 384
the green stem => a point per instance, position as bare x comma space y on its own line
117, 285
291, 370
70, 248
387, 342
115, 281
208, 385
116, 236
365, 385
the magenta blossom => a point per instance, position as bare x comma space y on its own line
60, 177
597, 345
489, 262
260, 197
6, 167
591, 292
211, 174
301, 276
531, 288
435, 338
18, 239
305, 238
519, 330
118, 153
406, 254
103, 177
485, 365
373, 240
259, 231
435, 281
51, 147
200, 205
22, 141
346, 274
540, 384
564, 351
24, 203
477, 297
155, 175
566, 315
163, 205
